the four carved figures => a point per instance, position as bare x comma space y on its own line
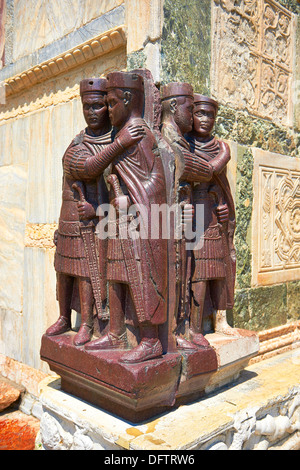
119, 279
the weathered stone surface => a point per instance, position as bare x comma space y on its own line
277, 341
21, 373
261, 411
276, 218
185, 44
256, 132
145, 25
18, 431
262, 302
147, 389
2, 31
262, 308
40, 23
261, 33
13, 183
244, 204
293, 303
48, 116
9, 393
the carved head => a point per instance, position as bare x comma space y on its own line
93, 94
205, 112
125, 97
178, 105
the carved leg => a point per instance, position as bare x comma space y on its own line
65, 285
198, 299
86, 305
149, 348
116, 337
219, 299
221, 325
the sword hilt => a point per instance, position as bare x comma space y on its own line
78, 187
114, 181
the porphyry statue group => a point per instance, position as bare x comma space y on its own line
122, 284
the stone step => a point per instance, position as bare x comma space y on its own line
9, 393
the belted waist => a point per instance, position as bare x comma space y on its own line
69, 229
72, 229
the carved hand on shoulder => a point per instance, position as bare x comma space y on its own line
131, 135
86, 211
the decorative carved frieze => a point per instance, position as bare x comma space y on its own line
276, 251
253, 49
85, 52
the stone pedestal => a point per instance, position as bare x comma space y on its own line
136, 392
259, 411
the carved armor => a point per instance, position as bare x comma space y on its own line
70, 255
142, 178
216, 258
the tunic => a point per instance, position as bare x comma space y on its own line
141, 176
70, 255
140, 172
215, 260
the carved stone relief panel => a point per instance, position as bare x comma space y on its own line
276, 239
253, 57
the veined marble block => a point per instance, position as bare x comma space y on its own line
41, 22
13, 184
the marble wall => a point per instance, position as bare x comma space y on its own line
42, 22
2, 31
39, 118
253, 57
244, 53
51, 47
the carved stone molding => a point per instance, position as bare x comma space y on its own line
261, 412
276, 238
253, 53
85, 52
277, 341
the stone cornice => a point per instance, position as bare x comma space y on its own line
85, 52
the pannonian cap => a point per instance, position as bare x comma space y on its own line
175, 89
201, 99
125, 80
93, 85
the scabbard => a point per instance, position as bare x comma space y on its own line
134, 276
88, 237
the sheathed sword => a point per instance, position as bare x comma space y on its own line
185, 193
88, 237
135, 280
230, 275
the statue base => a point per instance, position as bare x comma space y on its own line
260, 412
137, 392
